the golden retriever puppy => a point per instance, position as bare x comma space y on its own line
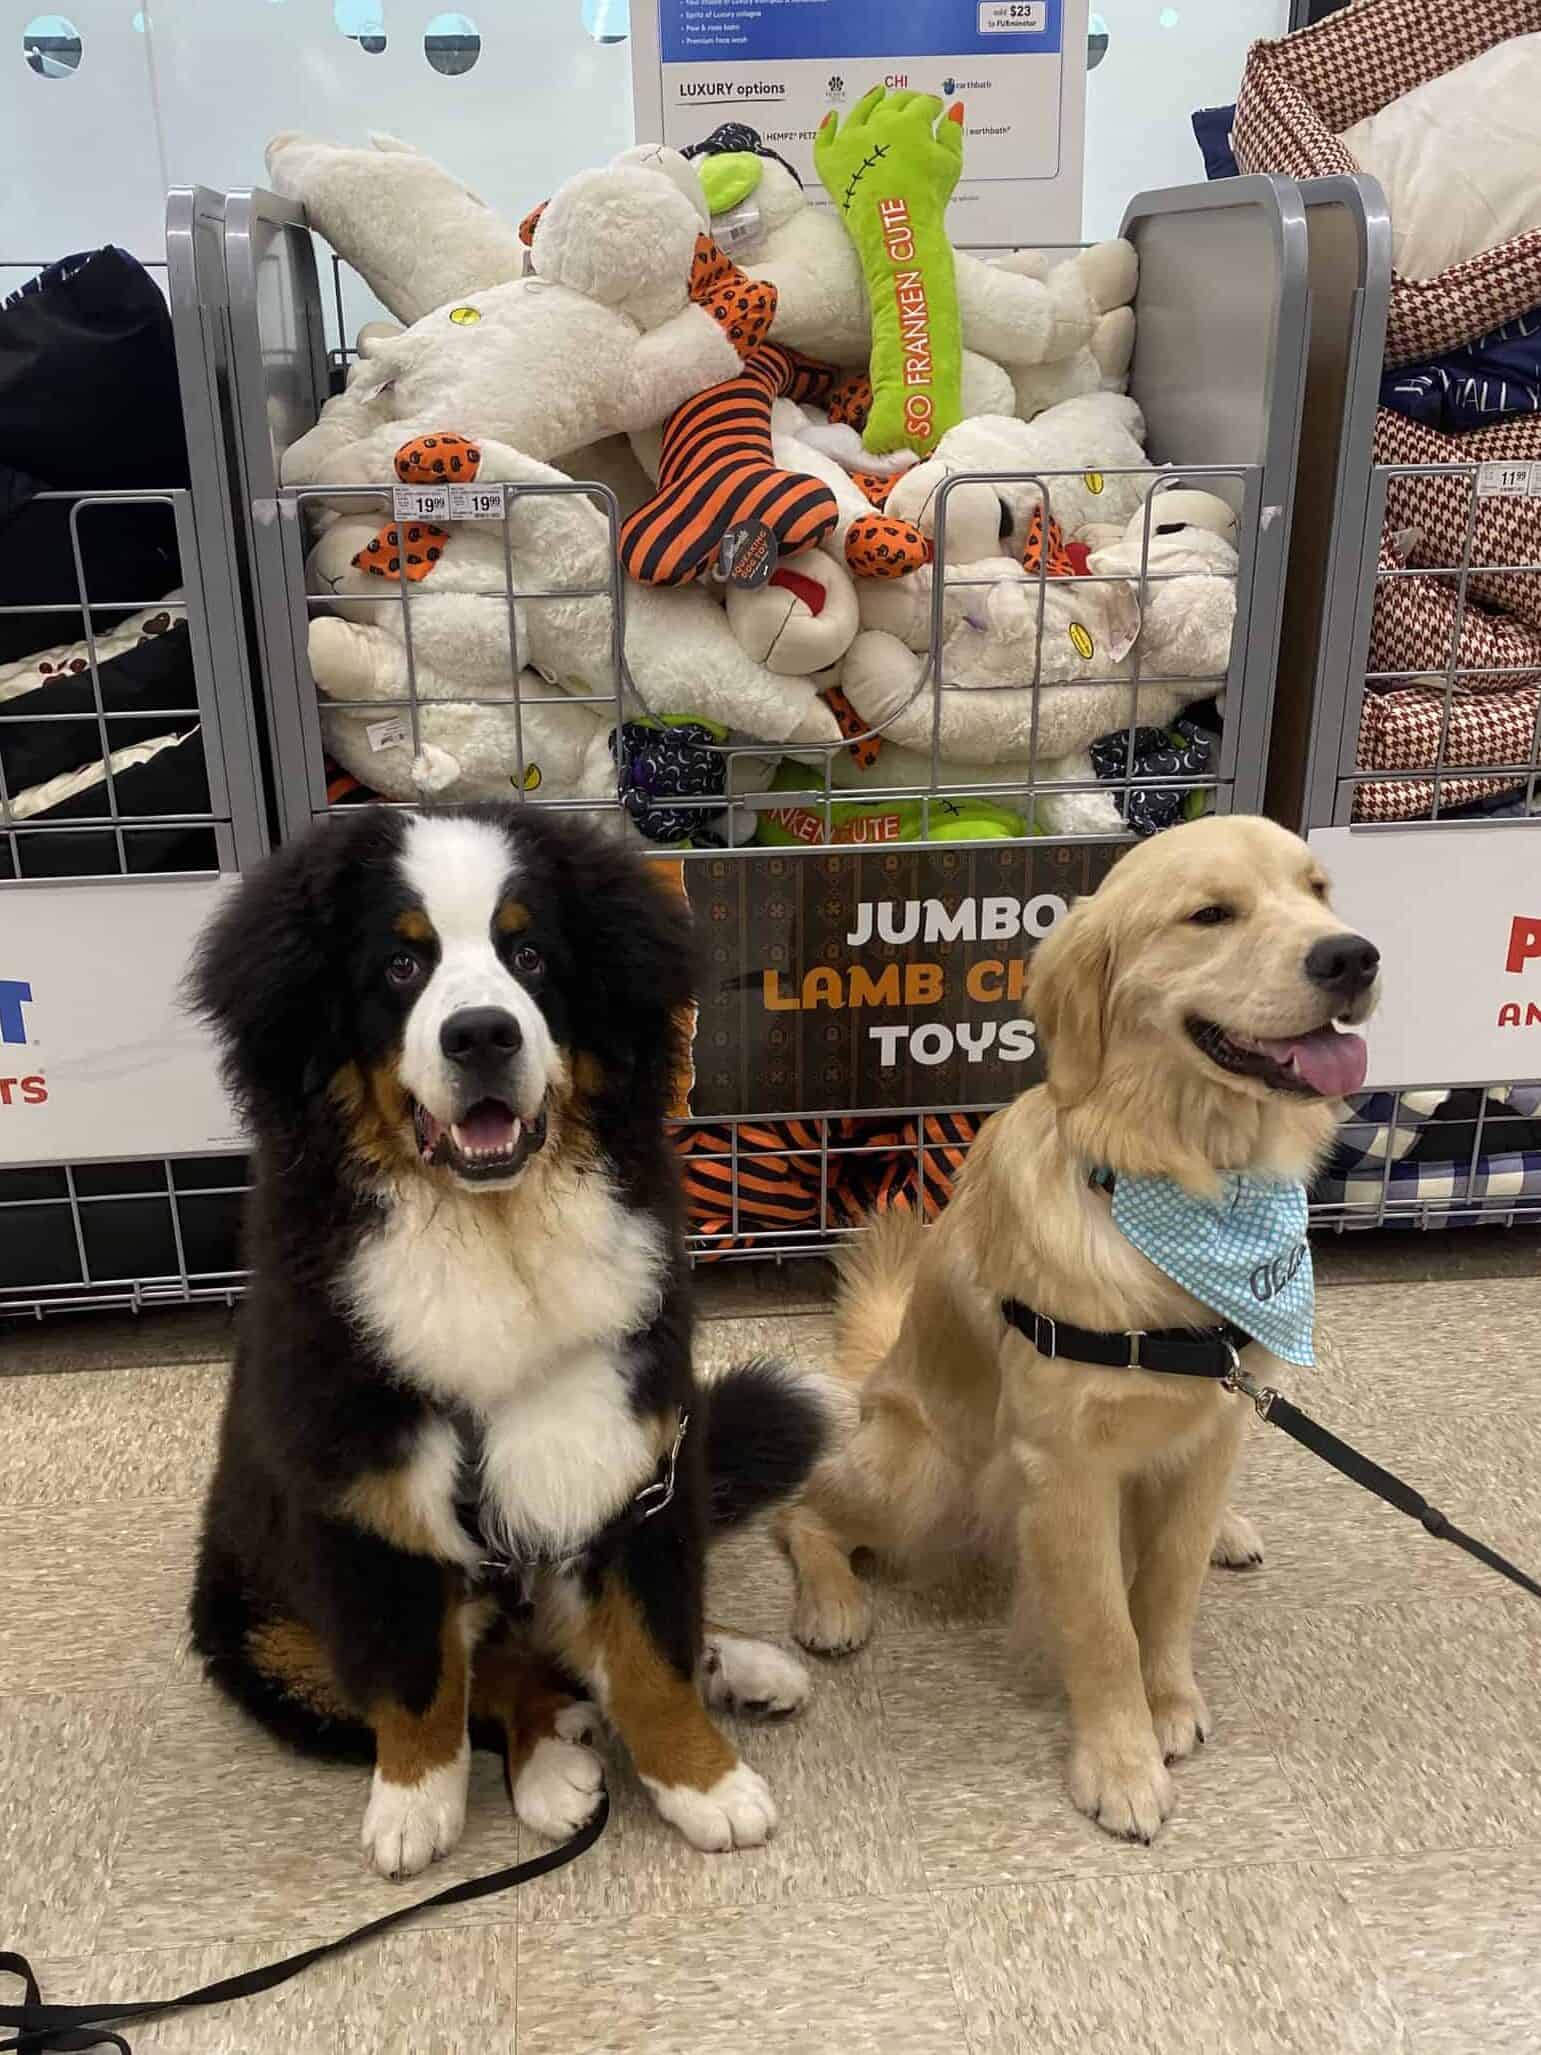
1189, 1008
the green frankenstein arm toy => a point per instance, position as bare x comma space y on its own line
891, 168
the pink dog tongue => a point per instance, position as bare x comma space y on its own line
1329, 1061
488, 1125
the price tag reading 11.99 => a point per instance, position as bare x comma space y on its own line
476, 502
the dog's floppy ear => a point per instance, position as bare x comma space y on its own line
267, 977
637, 966
1067, 996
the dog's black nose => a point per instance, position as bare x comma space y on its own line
1343, 963
476, 1033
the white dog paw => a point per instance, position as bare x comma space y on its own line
580, 1721
1127, 1792
558, 1790
1181, 1720
833, 1623
1238, 1545
737, 1812
408, 1826
752, 1678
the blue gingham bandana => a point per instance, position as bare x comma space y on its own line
1244, 1255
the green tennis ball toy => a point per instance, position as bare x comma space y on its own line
729, 178
890, 169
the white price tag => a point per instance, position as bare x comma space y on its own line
420, 502
1507, 480
390, 734
1012, 17
476, 502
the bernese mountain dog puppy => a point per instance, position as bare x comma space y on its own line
466, 1477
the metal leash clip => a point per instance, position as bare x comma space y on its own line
655, 1496
1236, 1379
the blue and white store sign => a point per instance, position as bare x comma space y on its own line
1018, 66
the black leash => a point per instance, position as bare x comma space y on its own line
1353, 1464
67, 2029
1216, 1352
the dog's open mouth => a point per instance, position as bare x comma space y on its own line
489, 1144
1328, 1063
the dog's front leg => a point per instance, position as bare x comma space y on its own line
1073, 1559
398, 1631
621, 1631
1176, 1515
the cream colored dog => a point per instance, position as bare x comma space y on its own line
1188, 1008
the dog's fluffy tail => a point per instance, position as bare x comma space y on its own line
767, 1424
877, 1275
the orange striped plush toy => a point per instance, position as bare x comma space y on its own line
718, 473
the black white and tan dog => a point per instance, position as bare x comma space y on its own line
466, 1477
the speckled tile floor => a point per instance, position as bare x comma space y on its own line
1352, 1864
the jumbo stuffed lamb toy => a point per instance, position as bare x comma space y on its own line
1034, 661
1090, 453
682, 657
1179, 554
417, 237
603, 337
1154, 600
1018, 314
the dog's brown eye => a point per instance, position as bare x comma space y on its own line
527, 958
1319, 887
1211, 916
403, 970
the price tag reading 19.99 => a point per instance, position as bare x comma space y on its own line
476, 502
1012, 17
420, 503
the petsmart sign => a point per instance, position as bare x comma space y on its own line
856, 980
1456, 914
1018, 66
97, 1058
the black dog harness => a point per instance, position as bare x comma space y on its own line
1216, 1352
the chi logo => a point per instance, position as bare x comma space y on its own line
1271, 1278
15, 997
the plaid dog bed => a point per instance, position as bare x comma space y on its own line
1450, 1194
1411, 1154
1300, 92
1400, 730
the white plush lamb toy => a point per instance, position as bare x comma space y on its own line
601, 338
1179, 552
416, 236
1033, 662
1102, 365
682, 657
1088, 452
1026, 315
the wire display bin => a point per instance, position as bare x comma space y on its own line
129, 788
866, 929
1411, 755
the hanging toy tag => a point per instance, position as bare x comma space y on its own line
747, 555
737, 226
